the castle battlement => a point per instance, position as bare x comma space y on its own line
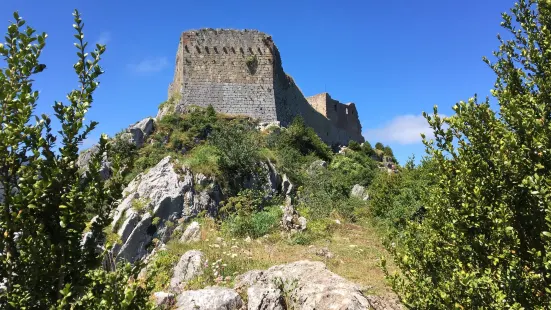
240, 72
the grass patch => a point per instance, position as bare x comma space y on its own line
225, 258
254, 225
203, 159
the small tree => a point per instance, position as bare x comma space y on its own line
379, 146
42, 213
368, 149
485, 241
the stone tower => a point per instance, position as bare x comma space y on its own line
240, 72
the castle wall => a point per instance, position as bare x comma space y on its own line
341, 115
240, 72
230, 70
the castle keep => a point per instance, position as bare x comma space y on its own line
240, 72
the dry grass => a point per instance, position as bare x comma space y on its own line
356, 249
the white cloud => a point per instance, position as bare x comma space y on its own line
104, 37
149, 65
403, 129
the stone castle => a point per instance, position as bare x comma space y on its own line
240, 72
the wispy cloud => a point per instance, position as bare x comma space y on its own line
403, 129
149, 65
89, 142
104, 37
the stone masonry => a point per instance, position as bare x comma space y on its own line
240, 73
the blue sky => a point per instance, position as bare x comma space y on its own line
393, 59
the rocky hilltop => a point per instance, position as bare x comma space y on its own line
211, 193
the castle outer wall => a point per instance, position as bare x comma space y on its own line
240, 72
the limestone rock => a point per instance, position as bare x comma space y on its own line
325, 253
211, 298
189, 267
383, 303
286, 186
317, 164
140, 131
134, 247
84, 159
360, 192
307, 285
291, 220
166, 194
192, 233
164, 299
265, 298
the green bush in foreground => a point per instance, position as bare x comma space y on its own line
43, 210
485, 242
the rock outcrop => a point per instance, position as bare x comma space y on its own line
360, 192
291, 220
154, 197
192, 233
136, 134
211, 298
302, 285
164, 299
189, 266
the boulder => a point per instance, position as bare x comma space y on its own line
189, 266
304, 285
265, 298
211, 298
360, 192
317, 164
163, 299
291, 220
192, 233
140, 131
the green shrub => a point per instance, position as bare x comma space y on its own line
255, 225
485, 241
46, 200
244, 204
367, 149
354, 145
238, 150
379, 146
203, 159
304, 139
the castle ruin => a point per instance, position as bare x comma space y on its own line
240, 72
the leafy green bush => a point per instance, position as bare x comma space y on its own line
304, 139
255, 225
45, 198
367, 149
396, 199
238, 147
485, 241
245, 203
204, 159
354, 145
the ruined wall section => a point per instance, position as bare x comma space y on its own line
290, 103
228, 69
342, 115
